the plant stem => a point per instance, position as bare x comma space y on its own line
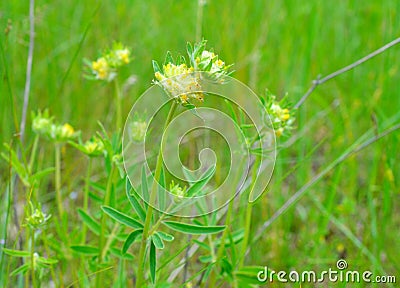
33, 153
149, 213
52, 272
247, 225
33, 257
110, 239
227, 229
103, 223
118, 105
199, 19
249, 210
86, 196
58, 180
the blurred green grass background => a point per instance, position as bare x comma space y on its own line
279, 45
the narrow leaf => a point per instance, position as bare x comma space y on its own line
49, 261
193, 229
39, 175
196, 187
121, 255
130, 239
87, 250
165, 236
16, 253
121, 217
21, 269
158, 242
132, 196
153, 262
168, 58
89, 221
156, 67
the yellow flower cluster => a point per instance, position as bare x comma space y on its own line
279, 114
43, 125
106, 66
218, 67
93, 147
101, 68
180, 82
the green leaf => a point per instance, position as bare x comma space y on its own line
121, 217
121, 255
168, 58
180, 60
165, 236
89, 221
202, 244
39, 175
21, 269
193, 229
16, 253
237, 236
153, 262
158, 242
189, 48
248, 274
130, 239
49, 261
156, 67
87, 250
205, 258
196, 187
12, 158
131, 194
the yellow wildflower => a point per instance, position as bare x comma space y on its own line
123, 55
101, 68
67, 131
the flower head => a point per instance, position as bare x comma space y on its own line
282, 118
62, 133
101, 69
177, 190
182, 81
93, 147
41, 123
106, 66
44, 125
138, 130
37, 218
